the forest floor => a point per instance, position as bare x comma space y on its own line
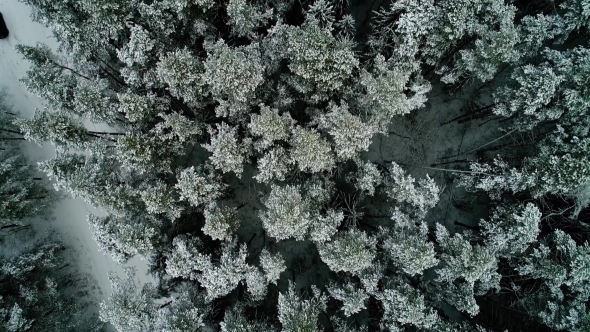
69, 215
440, 140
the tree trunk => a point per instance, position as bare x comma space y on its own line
12, 131
70, 69
109, 73
165, 304
106, 133
10, 226
472, 114
458, 223
63, 267
452, 162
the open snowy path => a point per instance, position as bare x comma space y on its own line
70, 214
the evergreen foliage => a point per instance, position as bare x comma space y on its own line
270, 158
40, 287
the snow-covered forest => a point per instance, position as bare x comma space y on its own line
311, 165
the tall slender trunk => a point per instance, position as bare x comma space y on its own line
458, 223
113, 76
121, 83
63, 267
10, 226
472, 114
107, 64
106, 133
70, 69
165, 304
11, 131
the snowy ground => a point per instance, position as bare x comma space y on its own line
70, 214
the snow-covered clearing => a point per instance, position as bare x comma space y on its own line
70, 214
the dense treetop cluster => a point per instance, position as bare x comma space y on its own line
236, 159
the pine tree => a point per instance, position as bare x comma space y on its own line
38, 292
245, 18
465, 270
401, 188
221, 222
138, 49
511, 229
353, 298
408, 246
270, 126
350, 134
384, 95
228, 154
161, 198
59, 128
310, 151
351, 251
274, 165
536, 86
402, 304
220, 279
48, 78
319, 62
235, 321
273, 265
561, 266
23, 197
323, 227
186, 312
139, 108
177, 127
96, 102
366, 178
180, 71
185, 260
145, 153
232, 76
130, 307
124, 237
298, 314
94, 178
200, 186
286, 215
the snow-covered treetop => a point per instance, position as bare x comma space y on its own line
233, 74
199, 186
351, 251
401, 188
270, 126
228, 154
299, 314
287, 213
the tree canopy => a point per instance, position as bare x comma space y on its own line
298, 166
